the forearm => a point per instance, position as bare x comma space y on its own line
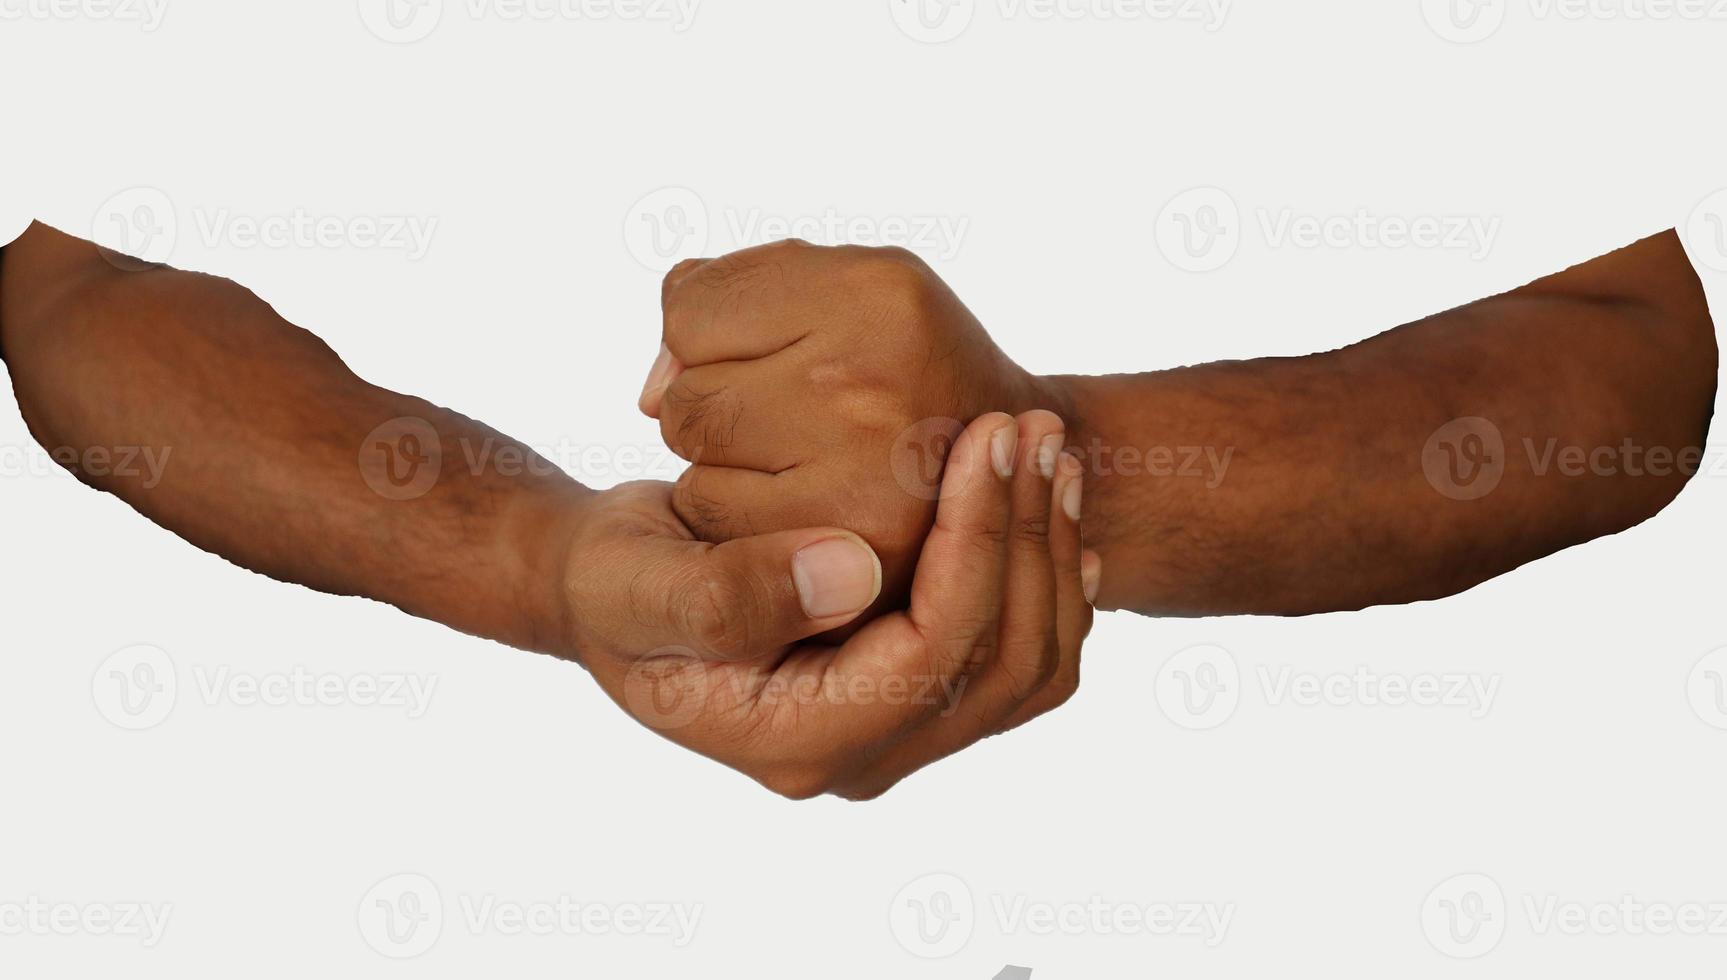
193, 401
1297, 485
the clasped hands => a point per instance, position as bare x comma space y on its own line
874, 559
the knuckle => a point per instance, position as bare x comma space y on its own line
979, 654
864, 792
695, 421
889, 268
1063, 686
1030, 672
733, 272
987, 539
708, 517
673, 276
798, 781
1032, 529
714, 614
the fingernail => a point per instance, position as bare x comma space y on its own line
1048, 449
836, 577
1001, 446
1090, 574
1070, 498
656, 379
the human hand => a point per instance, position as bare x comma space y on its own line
701, 641
814, 385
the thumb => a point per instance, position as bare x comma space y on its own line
751, 597
660, 377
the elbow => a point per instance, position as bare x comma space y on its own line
1690, 368
1679, 392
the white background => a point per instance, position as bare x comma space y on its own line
1330, 833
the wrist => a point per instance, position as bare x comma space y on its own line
538, 538
1058, 394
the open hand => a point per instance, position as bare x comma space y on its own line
702, 642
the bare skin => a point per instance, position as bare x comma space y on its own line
797, 378
282, 460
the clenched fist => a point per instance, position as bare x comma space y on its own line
825, 386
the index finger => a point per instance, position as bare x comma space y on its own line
730, 309
900, 670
